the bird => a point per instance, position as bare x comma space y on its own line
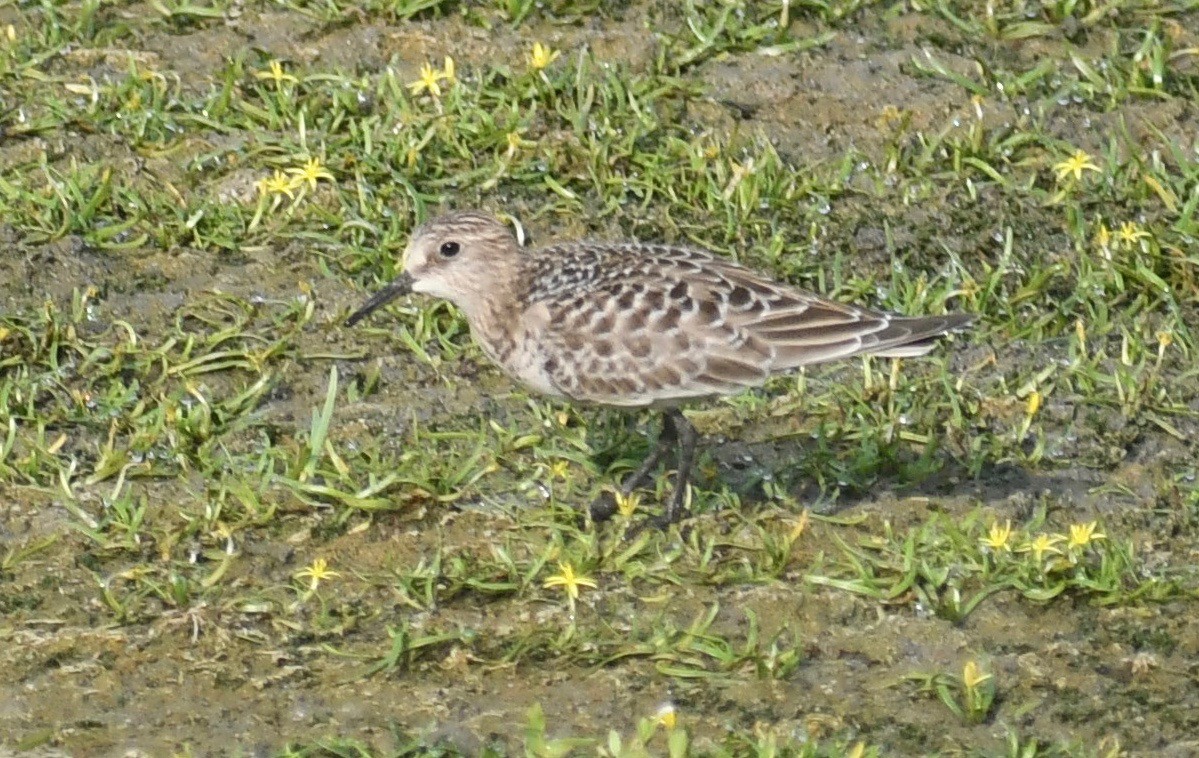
638, 325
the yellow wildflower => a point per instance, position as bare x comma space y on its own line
973, 675
1103, 237
569, 581
1164, 340
1074, 165
448, 74
559, 469
515, 143
276, 74
427, 82
542, 56
800, 525
1034, 403
627, 504
1000, 537
310, 172
1082, 535
316, 573
277, 184
1042, 544
1130, 232
666, 715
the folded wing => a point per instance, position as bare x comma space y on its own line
679, 324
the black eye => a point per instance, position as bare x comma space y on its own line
449, 249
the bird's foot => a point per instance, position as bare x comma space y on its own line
603, 507
608, 503
676, 430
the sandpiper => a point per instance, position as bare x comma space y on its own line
638, 325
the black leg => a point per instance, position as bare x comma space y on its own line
669, 436
604, 506
688, 439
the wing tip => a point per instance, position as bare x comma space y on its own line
924, 332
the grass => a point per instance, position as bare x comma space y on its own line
986, 551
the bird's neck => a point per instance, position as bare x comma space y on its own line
494, 316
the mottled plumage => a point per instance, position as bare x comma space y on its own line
635, 325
